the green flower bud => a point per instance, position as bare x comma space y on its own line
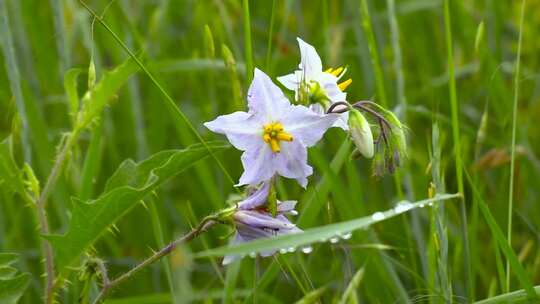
361, 133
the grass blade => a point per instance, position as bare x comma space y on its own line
457, 146
503, 243
513, 147
317, 234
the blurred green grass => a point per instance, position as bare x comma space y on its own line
51, 36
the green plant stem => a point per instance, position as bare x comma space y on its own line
247, 42
457, 145
513, 147
168, 99
42, 213
204, 225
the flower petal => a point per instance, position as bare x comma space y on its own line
262, 220
306, 125
310, 61
291, 162
242, 129
256, 199
258, 165
265, 99
329, 83
341, 122
290, 81
287, 207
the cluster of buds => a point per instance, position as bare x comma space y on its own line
389, 147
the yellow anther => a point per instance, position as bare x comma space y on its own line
284, 136
277, 127
342, 86
329, 70
273, 134
337, 71
274, 145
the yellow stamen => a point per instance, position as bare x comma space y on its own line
337, 71
274, 145
284, 136
273, 134
329, 70
342, 86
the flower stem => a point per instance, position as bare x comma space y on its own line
206, 223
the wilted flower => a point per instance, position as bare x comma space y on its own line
273, 134
253, 220
314, 86
361, 133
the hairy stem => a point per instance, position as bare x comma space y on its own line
206, 223
42, 213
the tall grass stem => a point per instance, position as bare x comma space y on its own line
513, 147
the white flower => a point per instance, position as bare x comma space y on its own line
273, 134
310, 79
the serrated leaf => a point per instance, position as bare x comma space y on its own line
128, 185
12, 289
318, 234
10, 174
95, 100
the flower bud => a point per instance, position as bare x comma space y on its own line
361, 133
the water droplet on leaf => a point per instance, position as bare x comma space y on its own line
377, 216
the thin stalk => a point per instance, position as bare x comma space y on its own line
169, 102
247, 43
373, 51
270, 35
457, 146
513, 148
204, 225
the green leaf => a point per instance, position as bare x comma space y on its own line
318, 234
96, 99
11, 286
70, 86
12, 289
128, 185
10, 174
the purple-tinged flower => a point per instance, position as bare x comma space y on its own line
273, 134
253, 220
320, 87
